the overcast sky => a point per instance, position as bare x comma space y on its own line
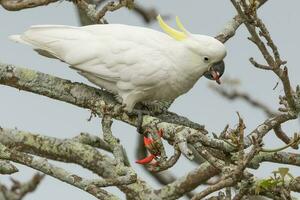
46, 116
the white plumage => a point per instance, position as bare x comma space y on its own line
138, 64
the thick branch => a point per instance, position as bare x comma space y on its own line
276, 157
57, 172
102, 102
16, 5
72, 152
92, 140
189, 182
97, 100
7, 168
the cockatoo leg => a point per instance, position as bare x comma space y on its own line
140, 114
130, 101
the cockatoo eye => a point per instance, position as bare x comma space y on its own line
206, 59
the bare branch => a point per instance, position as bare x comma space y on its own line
57, 172
235, 94
231, 27
268, 125
165, 164
260, 66
148, 14
237, 174
252, 23
96, 16
283, 136
19, 190
112, 6
73, 152
276, 157
221, 156
295, 184
92, 140
215, 162
97, 100
16, 5
187, 183
220, 185
7, 168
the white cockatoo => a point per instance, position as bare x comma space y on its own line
136, 63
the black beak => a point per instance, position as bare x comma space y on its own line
216, 71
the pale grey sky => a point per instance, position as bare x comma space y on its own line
42, 115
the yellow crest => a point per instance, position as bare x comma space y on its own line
177, 35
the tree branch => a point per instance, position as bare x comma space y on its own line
269, 124
230, 28
16, 5
97, 100
56, 172
235, 94
92, 140
18, 190
73, 152
177, 130
7, 168
253, 23
187, 183
276, 157
148, 14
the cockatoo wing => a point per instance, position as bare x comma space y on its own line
117, 57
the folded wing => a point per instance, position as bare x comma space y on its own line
117, 57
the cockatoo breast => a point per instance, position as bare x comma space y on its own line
184, 72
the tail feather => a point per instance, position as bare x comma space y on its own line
52, 41
18, 38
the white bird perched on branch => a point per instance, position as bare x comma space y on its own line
139, 64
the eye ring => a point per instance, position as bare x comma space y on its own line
206, 59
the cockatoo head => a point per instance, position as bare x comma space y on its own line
210, 50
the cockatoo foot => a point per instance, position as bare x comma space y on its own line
152, 148
157, 107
